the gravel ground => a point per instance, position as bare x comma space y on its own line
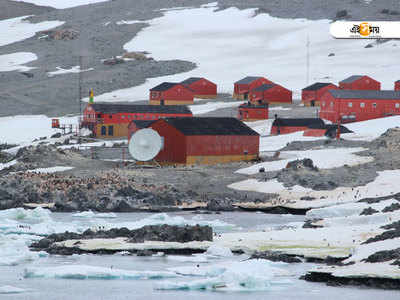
20, 94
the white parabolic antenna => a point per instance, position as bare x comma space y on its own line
145, 144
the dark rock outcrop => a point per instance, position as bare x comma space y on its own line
276, 256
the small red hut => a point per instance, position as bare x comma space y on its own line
311, 95
353, 105
205, 140
270, 93
170, 93
359, 82
285, 126
253, 112
397, 85
201, 87
243, 87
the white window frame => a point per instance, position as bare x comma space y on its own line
350, 104
362, 104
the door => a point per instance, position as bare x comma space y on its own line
246, 96
312, 102
162, 102
103, 130
111, 130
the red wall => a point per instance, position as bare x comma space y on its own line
397, 86
314, 132
308, 96
177, 92
287, 129
331, 108
246, 88
252, 113
275, 94
364, 83
203, 87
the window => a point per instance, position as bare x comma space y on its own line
331, 104
350, 104
103, 130
374, 105
123, 116
323, 103
362, 104
397, 105
111, 130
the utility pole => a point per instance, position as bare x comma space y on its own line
308, 60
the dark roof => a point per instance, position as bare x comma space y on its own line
351, 79
304, 122
251, 105
190, 80
142, 123
164, 86
365, 94
263, 87
247, 79
143, 108
330, 127
316, 86
210, 126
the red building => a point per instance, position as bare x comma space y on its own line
136, 125
359, 82
201, 87
205, 141
285, 126
170, 93
108, 120
328, 130
351, 105
311, 95
243, 87
252, 112
397, 85
271, 93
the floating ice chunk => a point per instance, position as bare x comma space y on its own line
188, 258
90, 214
93, 272
215, 250
9, 289
36, 215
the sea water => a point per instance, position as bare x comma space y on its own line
216, 274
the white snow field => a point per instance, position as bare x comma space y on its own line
199, 109
209, 38
16, 29
61, 71
322, 158
61, 4
15, 61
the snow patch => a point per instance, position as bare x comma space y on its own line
61, 4
75, 69
51, 169
211, 106
15, 61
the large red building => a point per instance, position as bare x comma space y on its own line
353, 105
170, 93
201, 87
397, 85
288, 125
311, 95
359, 82
252, 112
243, 87
205, 141
107, 120
270, 93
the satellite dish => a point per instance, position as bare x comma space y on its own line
145, 144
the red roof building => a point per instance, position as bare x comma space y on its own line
252, 112
397, 85
201, 87
271, 94
196, 140
243, 87
359, 82
311, 95
285, 126
352, 105
170, 93
107, 120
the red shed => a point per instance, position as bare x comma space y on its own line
205, 140
328, 130
107, 120
271, 93
253, 112
351, 105
397, 85
285, 126
136, 125
311, 95
170, 93
243, 87
201, 87
359, 82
